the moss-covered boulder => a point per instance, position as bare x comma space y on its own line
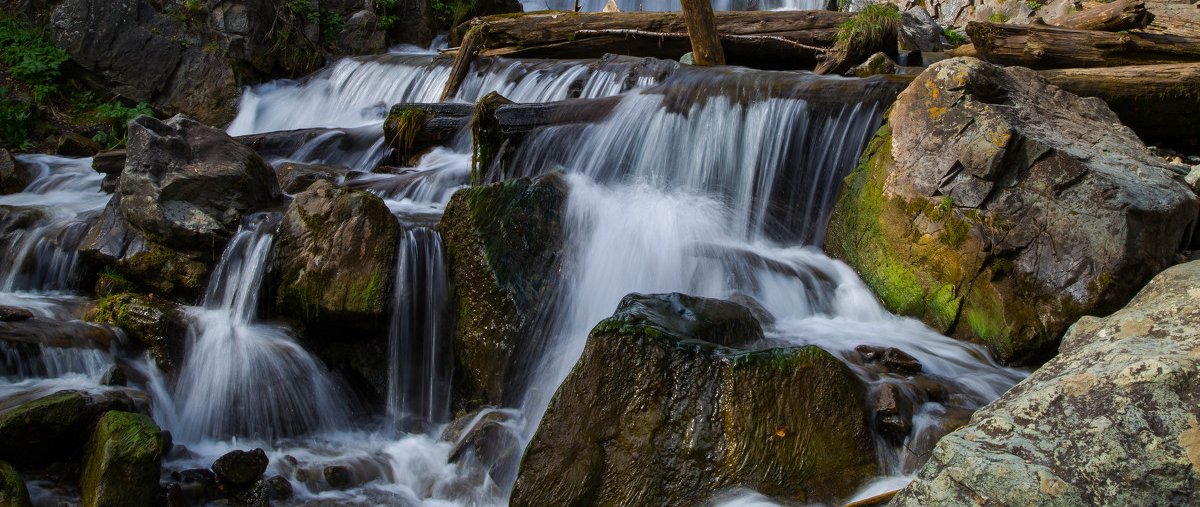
157, 324
54, 427
335, 256
121, 466
503, 245
14, 176
180, 198
651, 417
998, 208
1111, 420
12, 488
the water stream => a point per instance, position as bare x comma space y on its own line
709, 182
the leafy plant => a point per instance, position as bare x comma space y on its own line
1034, 5
955, 38
998, 17
15, 120
30, 58
117, 116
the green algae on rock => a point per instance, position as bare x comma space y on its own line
13, 492
980, 209
651, 417
54, 427
121, 465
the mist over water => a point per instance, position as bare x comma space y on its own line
714, 183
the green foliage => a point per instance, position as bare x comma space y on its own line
870, 26
1034, 5
30, 58
946, 204
117, 116
955, 38
998, 17
331, 24
16, 120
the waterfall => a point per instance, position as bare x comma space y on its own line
242, 377
673, 5
419, 349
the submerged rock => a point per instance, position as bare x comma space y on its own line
485, 436
180, 198
1110, 421
121, 466
54, 427
651, 417
14, 176
335, 257
13, 492
998, 208
503, 249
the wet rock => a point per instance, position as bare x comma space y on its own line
11, 314
157, 324
54, 427
14, 176
483, 435
338, 476
503, 244
295, 178
919, 31
173, 496
890, 357
279, 488
893, 412
649, 417
12, 488
241, 468
115, 376
198, 485
110, 164
257, 494
335, 257
878, 63
36, 347
180, 199
121, 464
977, 209
1110, 421
75, 145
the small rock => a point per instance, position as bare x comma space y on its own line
890, 357
14, 176
893, 412
241, 467
12, 314
279, 487
338, 476
75, 145
115, 376
688, 59
878, 63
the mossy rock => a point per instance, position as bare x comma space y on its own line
503, 248
14, 176
976, 209
335, 257
53, 427
12, 488
121, 466
651, 417
156, 324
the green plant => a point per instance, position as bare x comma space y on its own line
15, 119
331, 24
1034, 5
117, 116
30, 58
955, 38
946, 204
868, 28
998, 17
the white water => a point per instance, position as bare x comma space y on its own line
704, 184
673, 5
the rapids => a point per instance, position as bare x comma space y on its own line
712, 182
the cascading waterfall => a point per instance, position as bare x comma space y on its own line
673, 5
418, 348
242, 377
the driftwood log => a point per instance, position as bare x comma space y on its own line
1111, 17
702, 31
771, 40
1159, 102
1045, 47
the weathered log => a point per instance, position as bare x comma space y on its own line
1110, 17
1045, 47
757, 39
462, 61
702, 30
1159, 102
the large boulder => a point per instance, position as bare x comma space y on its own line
121, 466
652, 417
335, 256
997, 207
1111, 420
13, 492
503, 244
180, 198
54, 427
14, 176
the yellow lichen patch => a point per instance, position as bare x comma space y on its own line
998, 140
1078, 384
934, 112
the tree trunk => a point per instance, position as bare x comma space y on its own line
1044, 47
1110, 17
702, 30
462, 62
1159, 102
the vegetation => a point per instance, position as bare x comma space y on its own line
1034, 5
999, 17
869, 27
955, 38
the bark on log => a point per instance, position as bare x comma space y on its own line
756, 39
1159, 102
462, 61
1110, 17
1044, 47
702, 30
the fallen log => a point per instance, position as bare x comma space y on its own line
702, 31
462, 61
1045, 47
755, 39
1110, 17
1159, 102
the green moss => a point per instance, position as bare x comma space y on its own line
998, 17
985, 316
121, 466
868, 28
12, 488
408, 122
487, 135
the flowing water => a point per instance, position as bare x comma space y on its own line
712, 182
